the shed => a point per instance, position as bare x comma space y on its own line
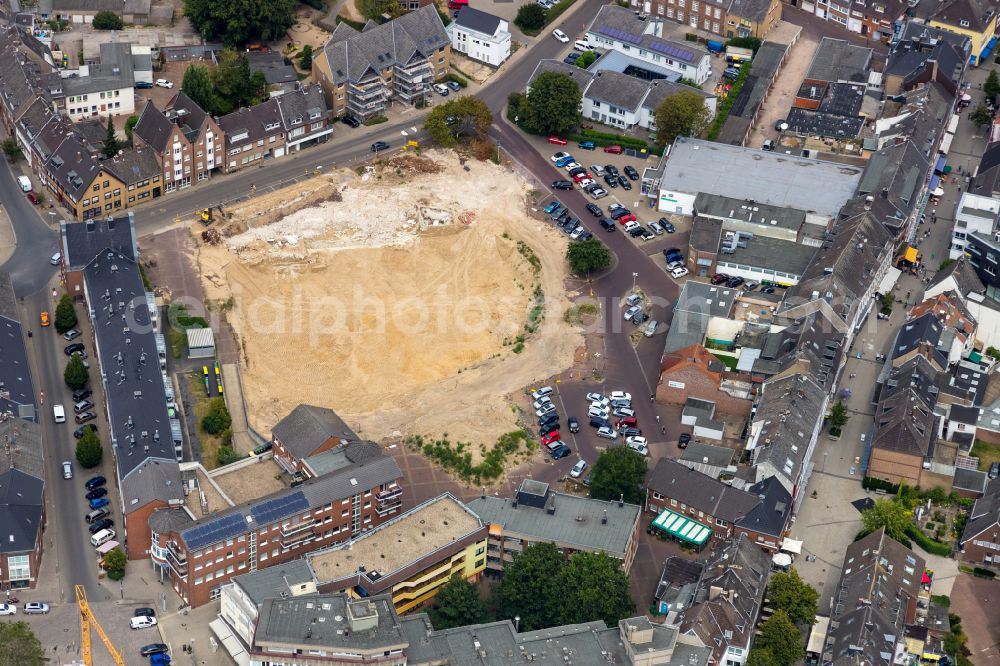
201, 343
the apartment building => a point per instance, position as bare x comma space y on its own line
200, 555
875, 20
980, 542
305, 116
22, 479
139, 170
17, 400
480, 36
362, 73
305, 432
975, 19
185, 139
251, 135
81, 183
105, 89
410, 557
537, 514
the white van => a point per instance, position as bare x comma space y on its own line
581, 45
102, 537
24, 183
59, 413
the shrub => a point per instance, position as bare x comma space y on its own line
114, 563
690, 37
218, 419
106, 20
460, 80
228, 455
65, 314
930, 545
942, 600
88, 450
983, 572
558, 9
375, 120
869, 483
530, 18
723, 112
76, 374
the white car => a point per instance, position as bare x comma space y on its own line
541, 402
598, 193
597, 169
621, 395
629, 226
67, 468
55, 258
607, 432
581, 45
163, 83
641, 449
8, 609
142, 622
631, 312
578, 468
636, 440
633, 299
541, 392
598, 413
595, 396
545, 409
586, 182
558, 156
560, 35
577, 232
651, 328
569, 166
598, 400
678, 272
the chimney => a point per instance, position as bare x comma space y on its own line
604, 520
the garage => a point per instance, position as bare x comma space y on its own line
201, 343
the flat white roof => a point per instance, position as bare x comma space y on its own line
200, 337
694, 166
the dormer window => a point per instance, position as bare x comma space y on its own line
272, 126
239, 136
296, 120
964, 23
314, 115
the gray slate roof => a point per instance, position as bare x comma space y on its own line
250, 125
970, 479
839, 60
133, 165
114, 72
415, 34
82, 242
984, 519
304, 106
275, 582
781, 439
20, 510
715, 498
697, 303
153, 127
895, 176
581, 76
753, 10
612, 21
576, 521
660, 89
964, 276
904, 424
772, 512
73, 167
620, 90
15, 372
306, 427
978, 14
477, 20
19, 76
924, 329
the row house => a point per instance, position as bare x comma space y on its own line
980, 542
305, 116
184, 138
252, 135
874, 19
726, 18
201, 555
81, 183
361, 73
104, 89
21, 91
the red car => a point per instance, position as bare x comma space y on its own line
558, 140
551, 437
32, 197
626, 218
582, 176
614, 150
627, 422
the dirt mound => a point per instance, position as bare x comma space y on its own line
400, 306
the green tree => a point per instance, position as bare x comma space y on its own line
586, 59
218, 419
76, 374
236, 22
787, 590
516, 104
374, 9
11, 149
65, 314
981, 116
19, 646
780, 637
553, 104
231, 80
745, 43
457, 603
130, 124
890, 514
838, 417
111, 143
89, 451
465, 117
681, 114
589, 255
992, 86
618, 472
531, 588
594, 588
761, 657
306, 57
530, 17
106, 20
197, 85
114, 563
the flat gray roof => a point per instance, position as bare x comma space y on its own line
716, 205
772, 254
576, 521
695, 166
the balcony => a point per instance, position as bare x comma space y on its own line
295, 528
370, 91
176, 559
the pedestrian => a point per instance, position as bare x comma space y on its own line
652, 397
657, 418
663, 430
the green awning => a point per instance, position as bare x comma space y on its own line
975, 357
682, 528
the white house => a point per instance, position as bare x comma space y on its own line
975, 213
100, 90
618, 29
480, 36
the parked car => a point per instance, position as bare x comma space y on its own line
618, 213
631, 226
541, 392
102, 524
683, 440
667, 225
144, 612
94, 482
100, 491
81, 394
557, 140
678, 272
621, 402
595, 210
581, 176
574, 425
55, 259
586, 145
585, 183
82, 406
994, 470
561, 452
598, 422
621, 395
598, 192
67, 469
551, 207
623, 181
607, 224
379, 145
719, 278
69, 350
8, 609
562, 185
612, 169
545, 409
85, 416
563, 161
561, 36
71, 334
153, 648
350, 121
647, 234
614, 150
624, 411
630, 431
730, 73
640, 318
543, 400
32, 197
143, 622
441, 89
657, 229
767, 289
750, 285
631, 312
569, 166
651, 329
556, 157
163, 83
99, 502
454, 85
610, 181
36, 608
578, 468
734, 281
631, 172
606, 432
636, 231
597, 169
552, 436
625, 219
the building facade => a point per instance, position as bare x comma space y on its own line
480, 36
185, 139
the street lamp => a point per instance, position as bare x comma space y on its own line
635, 276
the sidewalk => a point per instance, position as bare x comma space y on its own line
8, 240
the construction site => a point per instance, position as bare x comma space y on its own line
413, 296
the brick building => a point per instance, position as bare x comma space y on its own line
307, 431
185, 139
695, 371
200, 555
22, 500
980, 542
251, 135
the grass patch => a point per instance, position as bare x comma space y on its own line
375, 120
529, 256
457, 456
942, 600
729, 361
987, 453
201, 405
585, 313
723, 113
177, 341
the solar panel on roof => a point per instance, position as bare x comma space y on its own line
621, 35
268, 512
214, 531
672, 51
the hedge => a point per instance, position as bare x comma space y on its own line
357, 25
983, 573
462, 83
930, 545
723, 112
869, 483
556, 10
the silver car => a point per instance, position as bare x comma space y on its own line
607, 432
631, 312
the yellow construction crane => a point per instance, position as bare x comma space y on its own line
86, 619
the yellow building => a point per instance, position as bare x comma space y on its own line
409, 557
975, 19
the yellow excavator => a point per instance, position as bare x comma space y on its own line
86, 620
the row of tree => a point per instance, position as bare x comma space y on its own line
228, 86
542, 589
238, 22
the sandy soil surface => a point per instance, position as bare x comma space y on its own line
7, 240
394, 298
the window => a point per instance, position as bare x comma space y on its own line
721, 523
19, 567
